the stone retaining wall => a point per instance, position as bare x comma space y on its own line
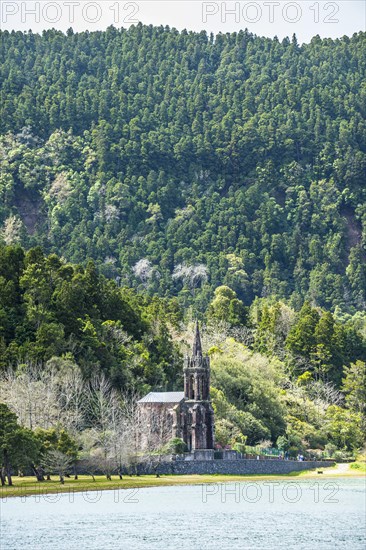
235, 467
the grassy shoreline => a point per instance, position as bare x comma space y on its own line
28, 486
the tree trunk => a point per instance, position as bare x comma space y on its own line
7, 467
62, 480
75, 472
2, 477
37, 472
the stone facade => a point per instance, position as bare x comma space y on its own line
188, 415
156, 421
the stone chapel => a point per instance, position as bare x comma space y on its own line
187, 414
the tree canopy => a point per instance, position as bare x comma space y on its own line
180, 162
149, 176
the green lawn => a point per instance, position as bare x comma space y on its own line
358, 467
26, 486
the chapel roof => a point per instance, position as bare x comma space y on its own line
163, 397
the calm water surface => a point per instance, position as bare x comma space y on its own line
306, 514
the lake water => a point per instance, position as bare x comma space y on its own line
300, 514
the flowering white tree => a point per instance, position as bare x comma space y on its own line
11, 232
143, 270
217, 331
114, 437
192, 275
45, 397
60, 189
31, 394
111, 212
57, 462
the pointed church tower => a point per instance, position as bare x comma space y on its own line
197, 346
197, 372
199, 415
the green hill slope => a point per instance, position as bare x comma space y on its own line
181, 161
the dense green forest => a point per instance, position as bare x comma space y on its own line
181, 161
70, 336
52, 309
151, 176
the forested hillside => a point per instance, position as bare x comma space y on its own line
49, 309
150, 177
68, 335
180, 161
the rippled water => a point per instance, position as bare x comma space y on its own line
306, 514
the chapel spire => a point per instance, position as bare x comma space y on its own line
197, 346
199, 428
